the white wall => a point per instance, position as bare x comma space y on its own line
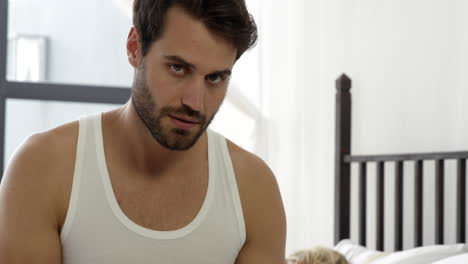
463, 117
405, 58
407, 61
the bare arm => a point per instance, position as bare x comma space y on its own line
263, 213
28, 207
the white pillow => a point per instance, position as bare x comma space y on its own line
423, 255
357, 254
462, 258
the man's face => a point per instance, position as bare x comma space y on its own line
182, 81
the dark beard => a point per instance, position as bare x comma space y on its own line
175, 138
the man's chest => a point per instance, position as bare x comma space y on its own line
161, 206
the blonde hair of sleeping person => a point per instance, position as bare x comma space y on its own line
316, 255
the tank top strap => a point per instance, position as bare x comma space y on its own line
85, 125
225, 167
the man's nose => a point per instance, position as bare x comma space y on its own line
194, 94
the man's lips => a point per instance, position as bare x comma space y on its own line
184, 122
185, 119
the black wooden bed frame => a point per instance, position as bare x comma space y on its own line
343, 161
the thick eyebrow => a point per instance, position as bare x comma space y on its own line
180, 60
226, 73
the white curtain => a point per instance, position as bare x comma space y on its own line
275, 85
282, 64
297, 132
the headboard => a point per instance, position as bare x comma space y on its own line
343, 161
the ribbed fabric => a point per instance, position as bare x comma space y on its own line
96, 231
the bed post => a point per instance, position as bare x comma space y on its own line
342, 149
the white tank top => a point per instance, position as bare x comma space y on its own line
96, 231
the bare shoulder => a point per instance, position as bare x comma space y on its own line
33, 194
253, 175
44, 161
46, 151
262, 206
248, 164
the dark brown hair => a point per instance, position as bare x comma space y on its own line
226, 18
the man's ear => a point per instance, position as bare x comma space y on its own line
133, 47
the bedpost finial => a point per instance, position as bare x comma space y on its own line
343, 83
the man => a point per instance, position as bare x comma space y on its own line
148, 182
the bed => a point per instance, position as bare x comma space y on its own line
344, 159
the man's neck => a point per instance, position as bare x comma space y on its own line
139, 151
